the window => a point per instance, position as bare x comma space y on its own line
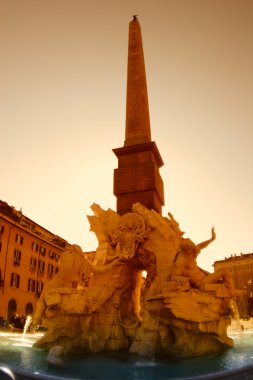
35, 247
16, 257
41, 267
0, 246
28, 309
39, 287
51, 254
57, 256
33, 264
31, 285
43, 251
56, 270
50, 270
19, 239
15, 280
1, 229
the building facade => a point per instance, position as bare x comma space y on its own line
29, 257
240, 268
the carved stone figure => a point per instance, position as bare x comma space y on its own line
177, 310
71, 266
60, 299
186, 269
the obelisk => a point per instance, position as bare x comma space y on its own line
137, 177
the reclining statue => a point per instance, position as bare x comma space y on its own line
185, 268
73, 265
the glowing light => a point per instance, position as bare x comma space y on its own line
144, 273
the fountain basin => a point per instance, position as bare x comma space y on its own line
30, 363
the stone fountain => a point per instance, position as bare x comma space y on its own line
177, 310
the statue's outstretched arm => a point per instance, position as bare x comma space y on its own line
204, 244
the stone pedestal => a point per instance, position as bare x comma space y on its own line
137, 178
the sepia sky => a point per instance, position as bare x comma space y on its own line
63, 67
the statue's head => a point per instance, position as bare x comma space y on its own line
189, 247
